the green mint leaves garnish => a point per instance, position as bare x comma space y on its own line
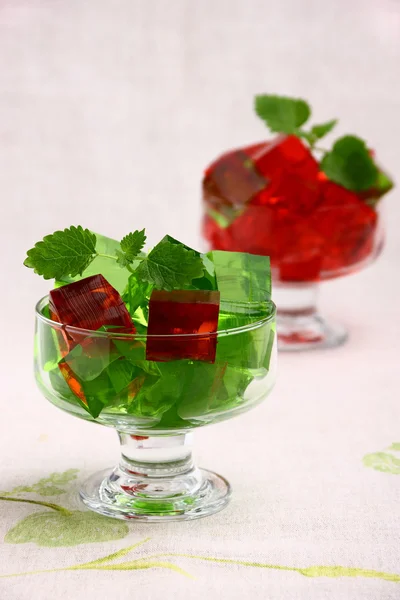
63, 253
170, 266
282, 114
66, 254
131, 246
348, 164
317, 132
287, 115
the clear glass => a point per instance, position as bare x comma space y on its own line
105, 378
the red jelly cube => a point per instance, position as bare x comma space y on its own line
294, 247
183, 312
284, 153
347, 224
292, 173
89, 304
233, 178
250, 231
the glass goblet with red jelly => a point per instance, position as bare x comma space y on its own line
272, 198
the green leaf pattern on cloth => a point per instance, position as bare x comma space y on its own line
53, 485
70, 528
59, 526
54, 529
108, 563
383, 461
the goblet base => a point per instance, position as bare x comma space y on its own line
126, 495
310, 332
299, 324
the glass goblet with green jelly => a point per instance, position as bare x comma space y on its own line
155, 365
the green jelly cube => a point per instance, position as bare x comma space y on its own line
135, 351
244, 281
99, 376
242, 277
268, 353
158, 394
89, 359
171, 419
48, 343
130, 347
61, 388
210, 389
249, 348
201, 384
91, 394
236, 382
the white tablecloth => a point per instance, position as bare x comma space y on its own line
108, 113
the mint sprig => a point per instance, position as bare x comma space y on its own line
287, 115
131, 246
66, 254
282, 114
170, 266
317, 132
349, 163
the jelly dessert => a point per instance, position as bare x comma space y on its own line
313, 212
183, 343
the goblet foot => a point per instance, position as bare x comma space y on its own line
155, 481
299, 325
308, 332
123, 498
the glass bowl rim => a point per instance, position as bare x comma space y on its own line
140, 336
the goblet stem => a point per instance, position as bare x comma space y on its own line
299, 324
156, 456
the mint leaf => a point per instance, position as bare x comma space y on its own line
382, 186
63, 253
383, 183
306, 135
319, 131
131, 245
170, 266
349, 164
207, 281
282, 114
316, 132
